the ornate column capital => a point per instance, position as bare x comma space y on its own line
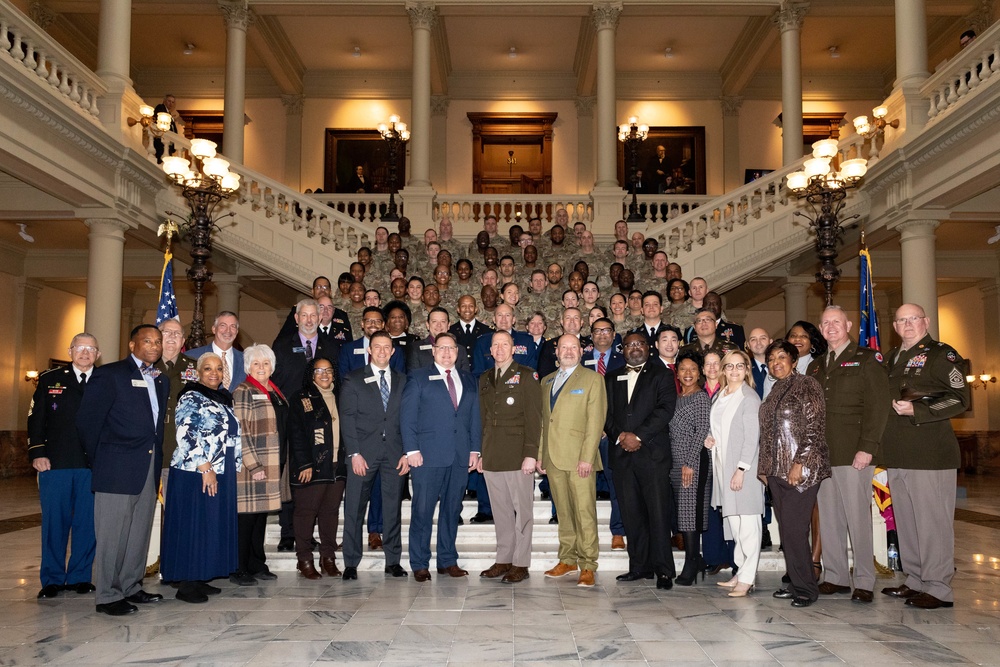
293, 104
585, 106
439, 105
915, 229
41, 15
789, 16
237, 13
423, 15
107, 227
731, 105
605, 15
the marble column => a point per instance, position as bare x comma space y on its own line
27, 355
104, 283
238, 18
293, 140
919, 272
911, 60
423, 17
227, 290
114, 42
731, 141
607, 194
585, 173
789, 21
796, 291
439, 148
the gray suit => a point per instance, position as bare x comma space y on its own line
373, 432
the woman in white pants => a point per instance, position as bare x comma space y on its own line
734, 444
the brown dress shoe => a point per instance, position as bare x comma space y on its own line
617, 543
308, 569
374, 541
903, 591
515, 574
560, 570
496, 570
329, 566
927, 601
827, 588
861, 595
421, 575
586, 579
453, 571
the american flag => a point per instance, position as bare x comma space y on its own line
167, 309
868, 334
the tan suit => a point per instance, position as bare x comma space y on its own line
571, 433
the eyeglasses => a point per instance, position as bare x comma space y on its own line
85, 348
912, 319
446, 348
603, 331
171, 334
702, 320
372, 321
636, 343
323, 371
740, 367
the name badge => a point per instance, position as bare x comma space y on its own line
260, 397
371, 379
590, 362
576, 391
139, 383
623, 378
426, 347
360, 350
436, 377
299, 349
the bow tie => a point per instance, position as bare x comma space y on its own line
634, 369
152, 371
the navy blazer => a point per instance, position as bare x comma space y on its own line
237, 374
420, 355
115, 424
290, 361
615, 361
443, 435
525, 352
350, 360
365, 426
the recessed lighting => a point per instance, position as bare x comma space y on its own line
357, 52
668, 52
834, 51
512, 53
188, 49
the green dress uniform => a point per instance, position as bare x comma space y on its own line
181, 371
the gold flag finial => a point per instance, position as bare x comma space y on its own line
169, 228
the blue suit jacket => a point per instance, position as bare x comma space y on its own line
443, 435
115, 424
614, 361
237, 374
350, 360
525, 352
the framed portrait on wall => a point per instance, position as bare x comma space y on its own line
346, 150
670, 161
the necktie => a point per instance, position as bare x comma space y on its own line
83, 379
468, 329
325, 330
383, 388
829, 362
451, 388
309, 350
560, 379
601, 366
652, 331
226, 375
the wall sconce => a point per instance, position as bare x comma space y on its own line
982, 380
877, 126
155, 123
31, 376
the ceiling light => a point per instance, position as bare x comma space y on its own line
668, 52
24, 233
188, 49
357, 52
512, 53
834, 51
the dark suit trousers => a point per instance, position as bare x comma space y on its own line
317, 503
794, 511
616, 513
123, 524
359, 491
250, 541
647, 505
430, 485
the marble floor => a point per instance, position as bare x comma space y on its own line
378, 621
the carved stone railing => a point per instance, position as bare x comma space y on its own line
960, 77
473, 209
661, 208
362, 207
25, 46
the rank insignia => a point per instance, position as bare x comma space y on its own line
956, 379
514, 379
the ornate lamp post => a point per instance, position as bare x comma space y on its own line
825, 188
632, 135
395, 134
204, 180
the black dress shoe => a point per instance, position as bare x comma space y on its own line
461, 521
350, 573
603, 495
190, 592
546, 495
928, 601
119, 608
802, 602
663, 582
783, 594
554, 520
395, 570
785, 579
482, 517
265, 575
903, 591
286, 544
765, 540
50, 591
81, 588
207, 588
633, 576
242, 579
142, 597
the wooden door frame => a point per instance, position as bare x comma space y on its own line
528, 127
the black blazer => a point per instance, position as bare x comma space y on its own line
52, 419
419, 355
645, 332
340, 327
648, 415
115, 425
365, 427
548, 362
469, 340
290, 361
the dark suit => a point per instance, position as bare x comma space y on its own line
728, 332
371, 431
352, 357
644, 330
237, 374
420, 355
468, 340
340, 327
605, 484
355, 184
63, 490
445, 437
642, 478
124, 443
549, 363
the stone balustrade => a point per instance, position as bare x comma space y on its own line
970, 69
26, 46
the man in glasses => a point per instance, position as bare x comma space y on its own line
927, 388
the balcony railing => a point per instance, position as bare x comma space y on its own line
963, 74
